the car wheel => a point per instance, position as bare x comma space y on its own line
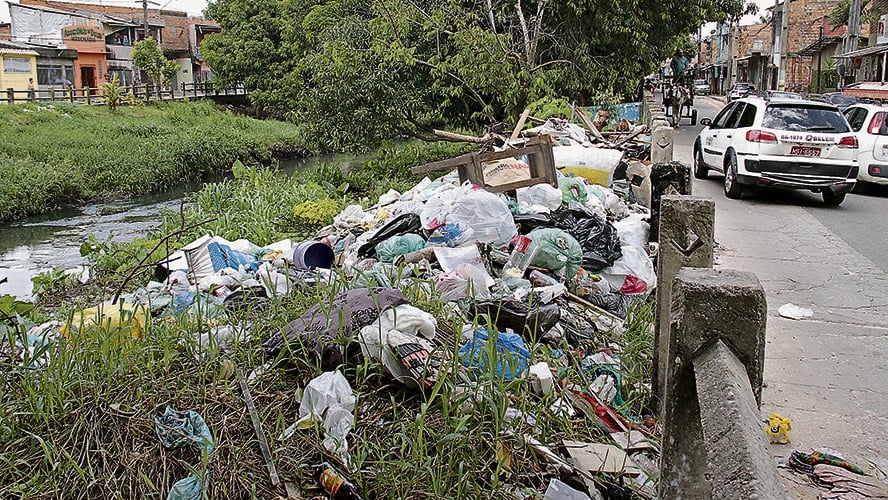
733, 189
701, 171
831, 198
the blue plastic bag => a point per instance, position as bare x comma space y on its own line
181, 429
510, 354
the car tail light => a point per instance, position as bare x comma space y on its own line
849, 141
875, 170
761, 136
876, 123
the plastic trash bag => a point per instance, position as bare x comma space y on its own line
510, 355
573, 189
387, 250
181, 429
633, 273
487, 215
328, 398
558, 490
557, 251
544, 195
633, 230
434, 213
599, 239
450, 235
124, 317
402, 224
533, 321
223, 256
463, 281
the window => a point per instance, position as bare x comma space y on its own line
734, 117
856, 117
804, 118
747, 119
16, 65
722, 117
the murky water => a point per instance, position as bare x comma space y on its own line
41, 243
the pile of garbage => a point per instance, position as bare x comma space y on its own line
555, 263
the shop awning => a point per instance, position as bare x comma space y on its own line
818, 45
867, 51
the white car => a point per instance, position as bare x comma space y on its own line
869, 124
784, 143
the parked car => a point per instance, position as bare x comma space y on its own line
839, 100
740, 90
780, 94
701, 87
779, 143
869, 124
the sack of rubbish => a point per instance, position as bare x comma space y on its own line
543, 195
598, 237
510, 355
557, 251
597, 165
532, 321
633, 273
487, 215
127, 318
573, 189
400, 225
466, 280
387, 250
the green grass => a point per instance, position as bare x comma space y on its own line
58, 154
82, 426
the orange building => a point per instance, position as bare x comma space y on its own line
89, 42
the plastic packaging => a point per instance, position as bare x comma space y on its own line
510, 356
556, 251
598, 238
463, 281
544, 195
487, 215
522, 256
402, 224
531, 320
572, 189
539, 279
124, 317
387, 250
633, 273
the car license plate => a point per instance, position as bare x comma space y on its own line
804, 151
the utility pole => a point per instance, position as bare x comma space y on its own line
784, 45
145, 17
819, 55
853, 26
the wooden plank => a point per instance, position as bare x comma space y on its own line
519, 125
260, 434
443, 164
588, 123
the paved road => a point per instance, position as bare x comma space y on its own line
862, 221
828, 374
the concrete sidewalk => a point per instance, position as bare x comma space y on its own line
827, 374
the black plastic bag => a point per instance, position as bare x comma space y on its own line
597, 236
530, 322
402, 224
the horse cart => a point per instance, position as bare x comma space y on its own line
679, 103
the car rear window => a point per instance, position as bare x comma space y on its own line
804, 118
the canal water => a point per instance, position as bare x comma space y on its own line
44, 242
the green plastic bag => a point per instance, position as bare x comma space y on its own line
573, 189
387, 250
556, 251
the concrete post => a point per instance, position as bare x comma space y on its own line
661, 140
709, 306
686, 237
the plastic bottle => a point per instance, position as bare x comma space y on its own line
521, 257
336, 484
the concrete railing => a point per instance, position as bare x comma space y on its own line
709, 355
661, 131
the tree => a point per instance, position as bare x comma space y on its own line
356, 72
148, 55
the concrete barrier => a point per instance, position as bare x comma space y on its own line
713, 445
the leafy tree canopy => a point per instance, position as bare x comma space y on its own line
357, 72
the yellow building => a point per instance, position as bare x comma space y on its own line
17, 66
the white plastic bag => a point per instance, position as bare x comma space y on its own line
462, 281
328, 398
544, 195
487, 215
633, 273
404, 320
633, 230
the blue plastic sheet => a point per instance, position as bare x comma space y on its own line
222, 256
510, 355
